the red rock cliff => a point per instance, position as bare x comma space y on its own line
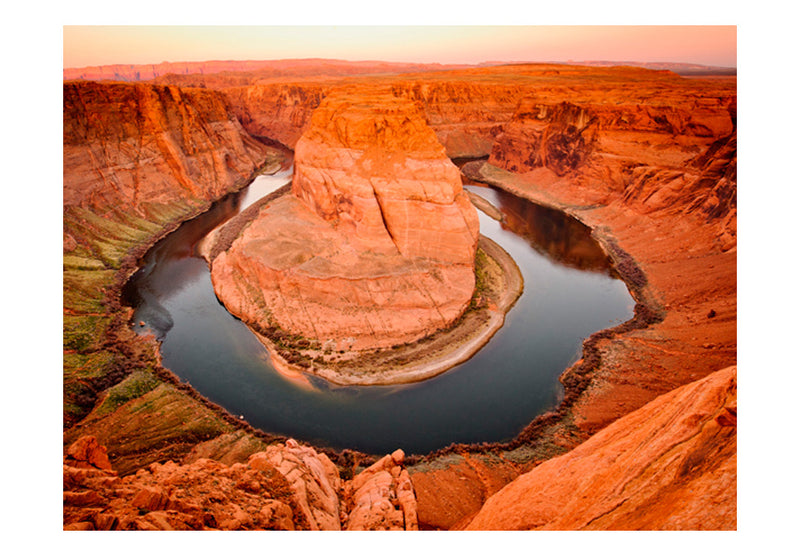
135, 146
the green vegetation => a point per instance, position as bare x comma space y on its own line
107, 239
99, 247
85, 290
482, 262
84, 333
135, 385
161, 424
84, 367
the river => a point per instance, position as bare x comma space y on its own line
570, 292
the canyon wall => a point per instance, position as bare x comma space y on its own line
138, 160
680, 157
137, 146
376, 245
466, 117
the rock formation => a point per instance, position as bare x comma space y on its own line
382, 497
375, 247
285, 487
140, 147
669, 465
313, 478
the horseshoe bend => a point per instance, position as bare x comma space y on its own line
371, 268
374, 250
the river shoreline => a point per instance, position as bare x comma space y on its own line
435, 354
574, 379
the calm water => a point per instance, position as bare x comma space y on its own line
570, 292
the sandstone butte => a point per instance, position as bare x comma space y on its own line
376, 245
645, 158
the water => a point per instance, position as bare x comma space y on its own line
570, 292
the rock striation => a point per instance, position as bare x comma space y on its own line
669, 465
376, 245
139, 147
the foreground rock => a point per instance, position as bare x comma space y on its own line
285, 487
669, 465
376, 246
382, 497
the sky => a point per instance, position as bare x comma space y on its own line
405, 31
455, 44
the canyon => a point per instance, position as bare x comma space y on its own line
646, 159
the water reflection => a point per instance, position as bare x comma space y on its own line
550, 232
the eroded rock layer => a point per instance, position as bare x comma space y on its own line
669, 465
138, 147
375, 247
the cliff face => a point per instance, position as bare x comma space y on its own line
373, 168
472, 109
467, 116
279, 111
138, 159
376, 246
669, 465
135, 147
680, 157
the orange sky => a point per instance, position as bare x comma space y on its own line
98, 45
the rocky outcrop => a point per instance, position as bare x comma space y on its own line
382, 497
202, 495
375, 247
313, 478
285, 487
669, 465
137, 147
372, 168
